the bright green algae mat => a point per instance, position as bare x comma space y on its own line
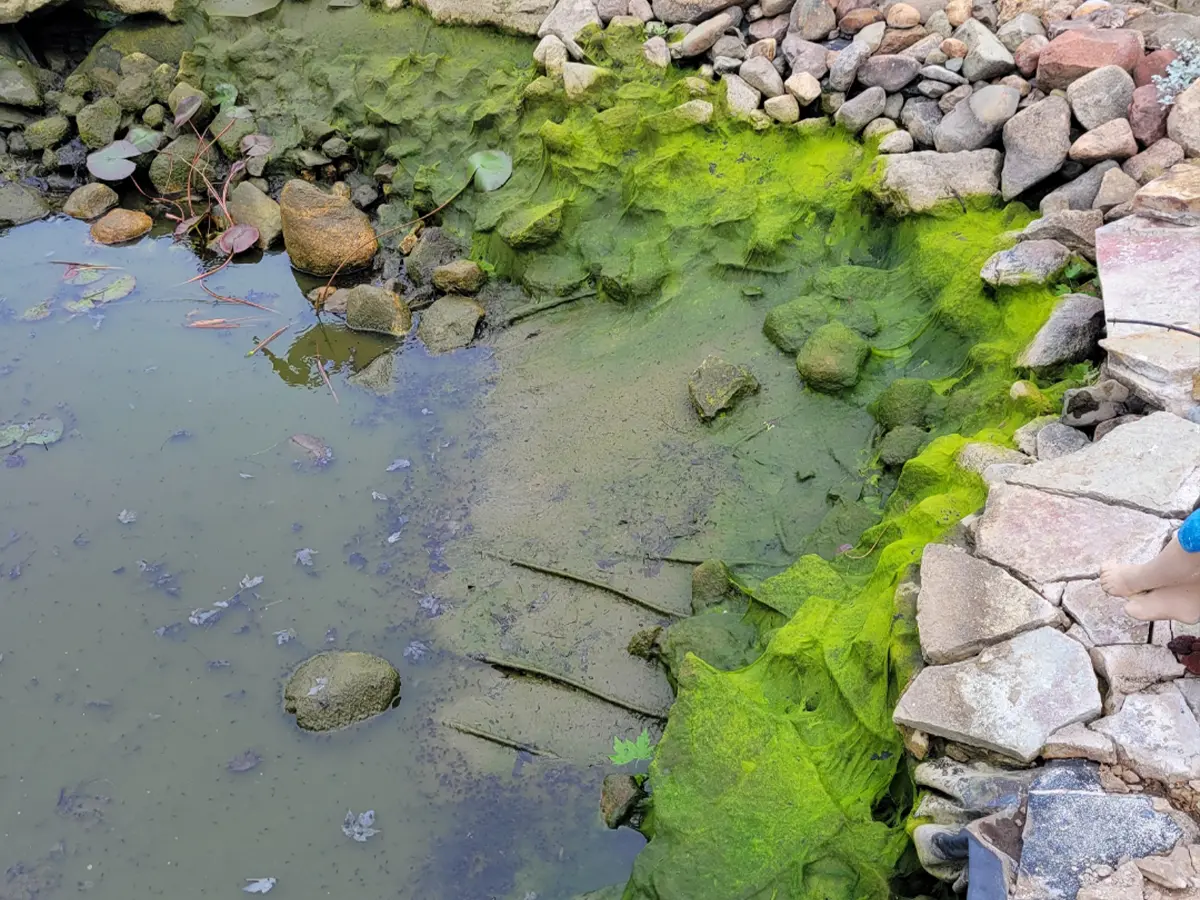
784, 779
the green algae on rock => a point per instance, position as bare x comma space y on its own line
832, 358
338, 688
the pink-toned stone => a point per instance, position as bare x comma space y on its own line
1153, 63
845, 7
1047, 537
958, 11
1112, 140
1059, 11
1146, 267
897, 39
1027, 53
769, 29
954, 48
1075, 53
1154, 161
901, 15
856, 21
1148, 117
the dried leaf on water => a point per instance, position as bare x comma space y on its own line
398, 464
127, 517
259, 885
314, 446
375, 495
201, 617
305, 557
285, 637
360, 827
244, 761
36, 313
246, 583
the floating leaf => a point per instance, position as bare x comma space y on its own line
305, 557
79, 306
116, 289
237, 239
36, 313
204, 616
257, 145
11, 434
259, 885
224, 94
398, 464
188, 107
491, 168
147, 140
244, 761
83, 274
359, 828
625, 752
44, 431
114, 162
127, 517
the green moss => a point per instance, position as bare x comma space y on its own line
831, 358
901, 444
533, 227
903, 402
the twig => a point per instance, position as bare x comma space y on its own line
79, 265
521, 668
1155, 325
497, 739
579, 579
690, 561
225, 299
204, 275
524, 312
321, 369
264, 343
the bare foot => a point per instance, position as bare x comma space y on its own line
1121, 580
1179, 603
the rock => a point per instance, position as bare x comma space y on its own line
1079, 742
804, 56
706, 36
1160, 367
1183, 122
619, 799
906, 401
1029, 262
18, 84
1009, 699
901, 15
986, 57
463, 276
871, 36
932, 89
181, 92
250, 206
783, 109
1075, 230
844, 69
878, 128
1070, 335
1153, 63
944, 75
172, 164
854, 114
1129, 668
1152, 465
377, 310
656, 53
1078, 194
1173, 197
812, 20
1156, 734
323, 231
1165, 872
121, 225
450, 323
46, 133
1109, 425
1148, 117
716, 387
98, 123
760, 74
338, 688
1057, 440
1075, 534
804, 87
135, 92
1095, 403
967, 604
928, 181
551, 54
978, 456
1017, 30
578, 78
1100, 96
896, 40
832, 358
896, 142
1028, 53
1072, 826
856, 20
951, 99
712, 586
1075, 53
90, 201
568, 18
1116, 188
920, 118
1112, 140
888, 72
19, 204
534, 226
741, 98
901, 444
1152, 162
674, 12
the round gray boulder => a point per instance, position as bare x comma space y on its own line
338, 688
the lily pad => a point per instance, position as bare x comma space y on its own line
79, 306
12, 434
83, 274
114, 162
114, 290
491, 168
146, 140
44, 431
239, 9
36, 314
237, 239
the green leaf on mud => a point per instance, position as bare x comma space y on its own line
114, 290
36, 314
224, 94
491, 168
44, 430
625, 752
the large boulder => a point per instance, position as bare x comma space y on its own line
854, 114
121, 225
568, 18
98, 122
525, 17
90, 201
1075, 53
1100, 96
171, 166
18, 85
19, 204
1078, 193
831, 359
1070, 334
338, 688
1112, 140
1173, 197
889, 71
930, 181
1036, 141
1153, 162
1183, 123
812, 20
1029, 262
986, 57
15, 10
973, 123
449, 324
323, 232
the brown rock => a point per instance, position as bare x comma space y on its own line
901, 15
1174, 197
121, 225
1112, 140
897, 39
1058, 11
856, 21
463, 276
958, 11
845, 7
1010, 9
619, 799
449, 324
1183, 121
1075, 53
1153, 63
90, 201
1027, 53
1153, 161
954, 48
1089, 7
323, 232
370, 308
1148, 117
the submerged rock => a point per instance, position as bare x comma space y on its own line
371, 308
322, 231
338, 688
717, 385
620, 799
832, 358
19, 204
449, 324
121, 225
533, 227
906, 401
90, 201
789, 325
250, 206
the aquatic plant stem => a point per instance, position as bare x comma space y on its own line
325, 378
268, 340
226, 299
579, 579
521, 668
501, 741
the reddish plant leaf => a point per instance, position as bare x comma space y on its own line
187, 108
257, 145
238, 239
237, 167
187, 225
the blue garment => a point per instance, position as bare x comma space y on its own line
1189, 533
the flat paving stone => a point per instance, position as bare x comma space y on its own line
967, 604
1157, 734
1050, 537
1010, 698
1101, 616
1145, 267
1152, 465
